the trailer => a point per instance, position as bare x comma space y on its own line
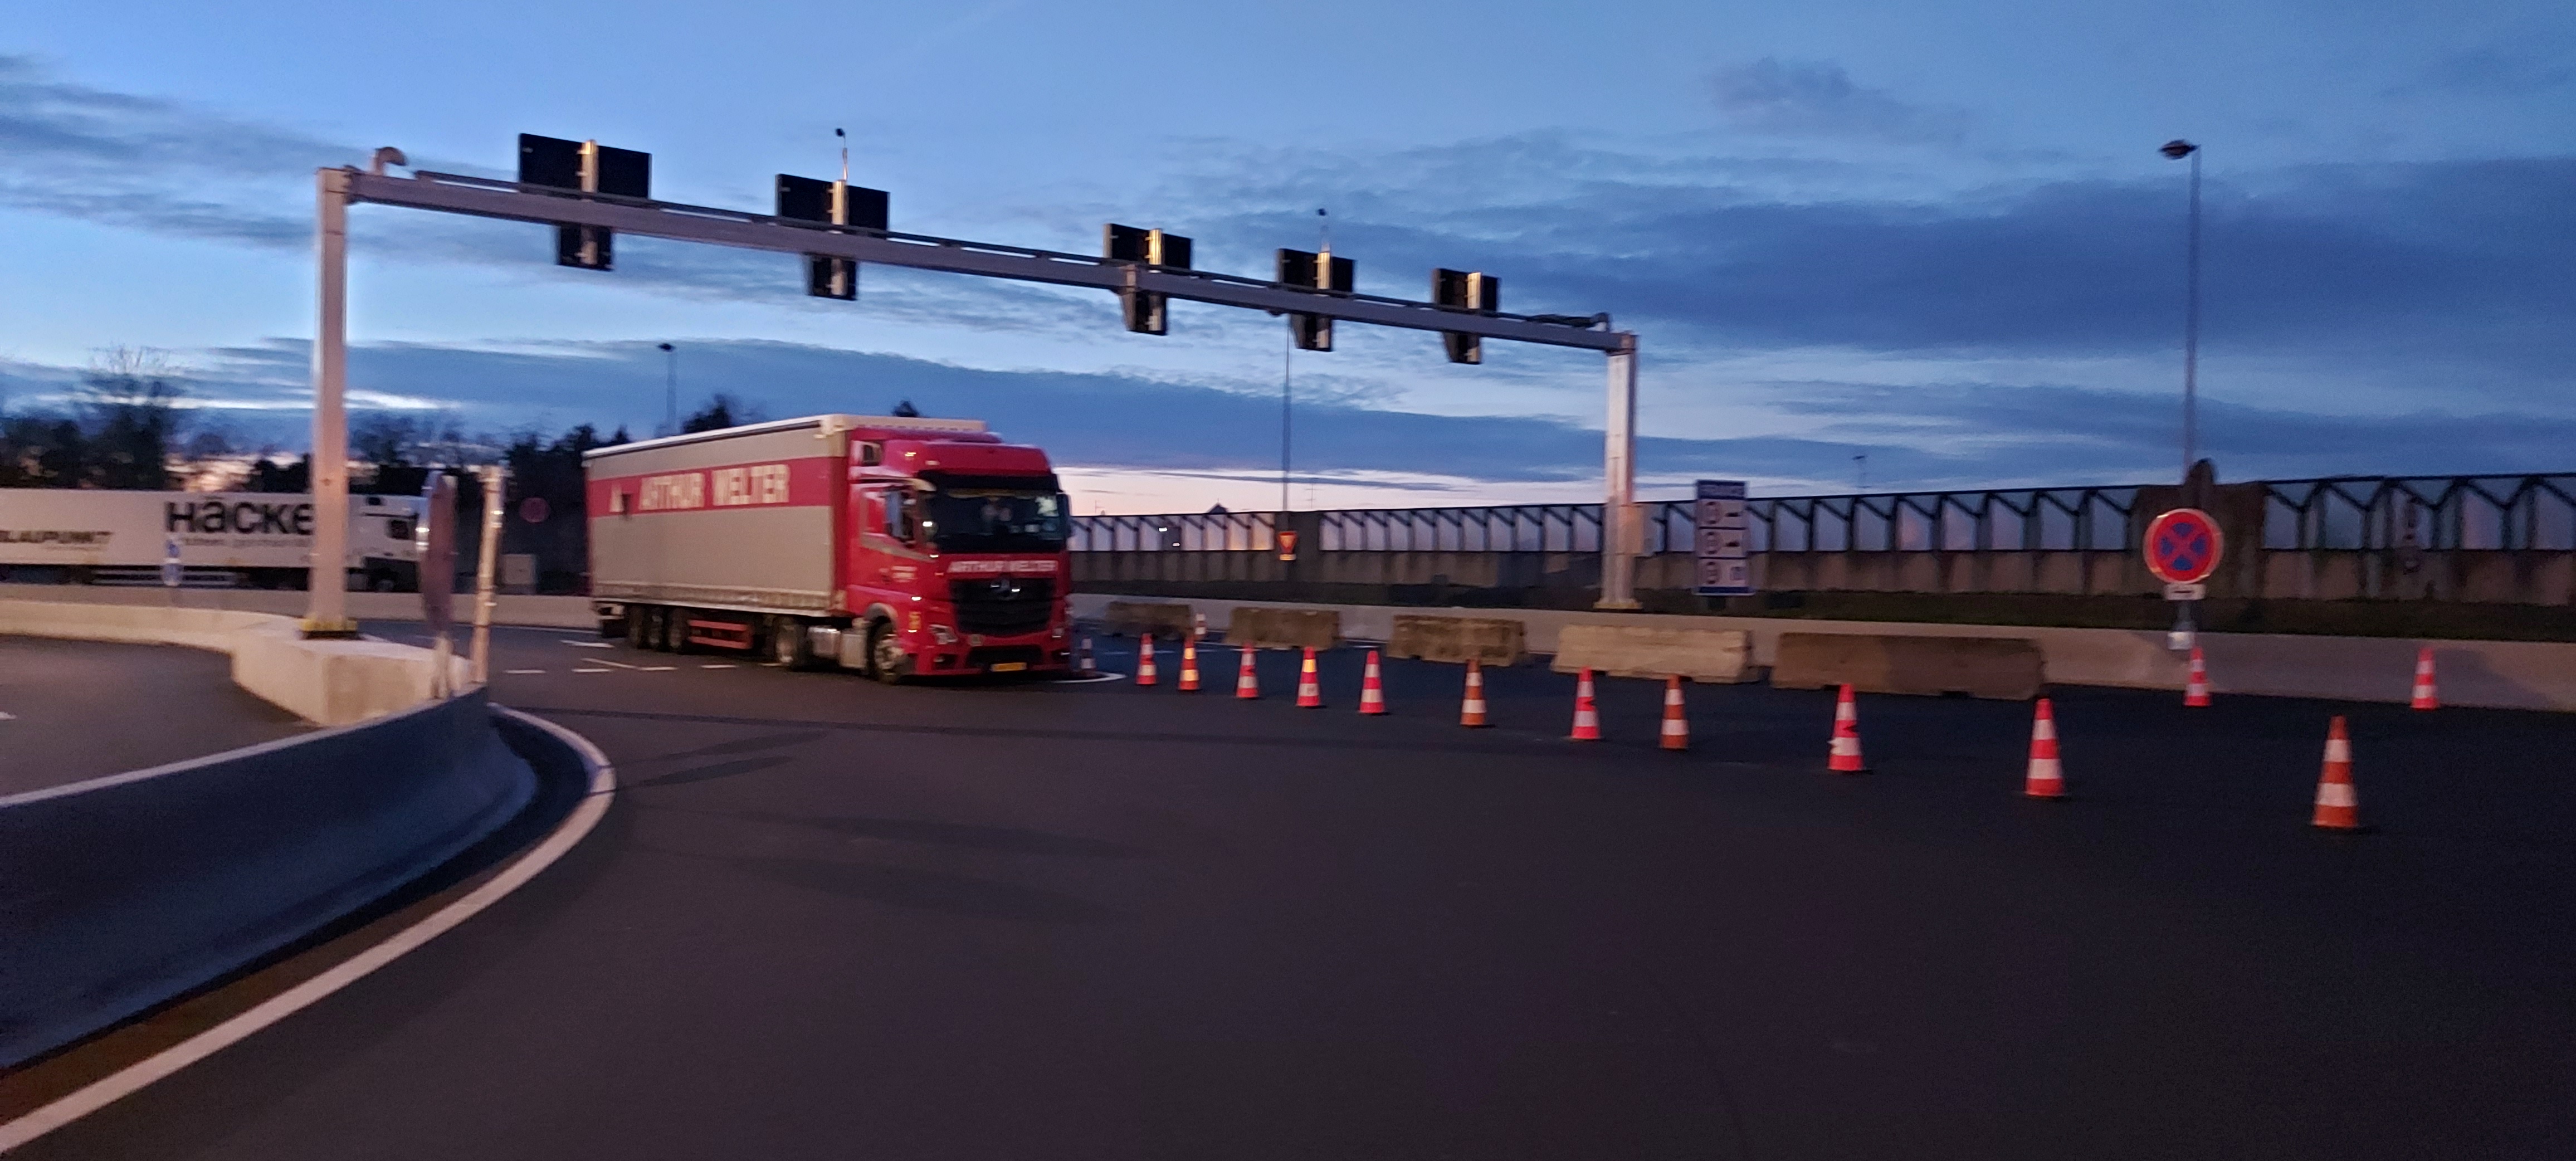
897, 546
230, 539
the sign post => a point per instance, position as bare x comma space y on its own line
1721, 537
171, 571
2183, 547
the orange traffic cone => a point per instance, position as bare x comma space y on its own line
2425, 697
1145, 662
2195, 693
1471, 712
1844, 756
1247, 684
1189, 665
1587, 717
1372, 693
2337, 809
1310, 695
2045, 779
1676, 726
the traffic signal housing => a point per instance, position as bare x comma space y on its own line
584, 167
1313, 271
839, 203
1144, 311
1465, 290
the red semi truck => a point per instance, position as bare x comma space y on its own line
899, 546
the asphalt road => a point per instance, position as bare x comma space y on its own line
829, 919
75, 710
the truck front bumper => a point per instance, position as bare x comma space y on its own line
1036, 653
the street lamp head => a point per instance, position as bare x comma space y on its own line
2178, 149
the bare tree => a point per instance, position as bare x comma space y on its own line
128, 403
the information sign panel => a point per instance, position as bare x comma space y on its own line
1721, 540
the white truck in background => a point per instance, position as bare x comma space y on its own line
241, 539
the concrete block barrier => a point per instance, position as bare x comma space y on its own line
120, 893
327, 682
1993, 667
2536, 675
549, 612
1721, 656
1261, 628
1138, 618
1489, 640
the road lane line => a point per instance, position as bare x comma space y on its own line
594, 671
717, 665
619, 664
590, 644
106, 1090
659, 668
514, 671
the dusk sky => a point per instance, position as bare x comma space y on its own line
1937, 235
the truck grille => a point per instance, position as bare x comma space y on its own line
1003, 606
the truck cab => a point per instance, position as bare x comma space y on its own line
957, 563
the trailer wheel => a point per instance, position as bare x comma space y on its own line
675, 630
885, 657
787, 644
639, 619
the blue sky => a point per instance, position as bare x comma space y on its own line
1935, 235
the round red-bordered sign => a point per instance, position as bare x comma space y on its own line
533, 510
2183, 546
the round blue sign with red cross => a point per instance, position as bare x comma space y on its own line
2183, 546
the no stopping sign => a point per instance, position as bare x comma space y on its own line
2183, 546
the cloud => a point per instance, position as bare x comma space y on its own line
1819, 99
2491, 71
1940, 436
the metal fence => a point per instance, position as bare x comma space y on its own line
1193, 532
2344, 512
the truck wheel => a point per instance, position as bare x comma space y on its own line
787, 643
637, 618
675, 630
885, 657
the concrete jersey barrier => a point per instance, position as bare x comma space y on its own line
1137, 618
1992, 667
551, 612
1284, 628
1489, 640
2534, 675
1721, 656
329, 682
123, 892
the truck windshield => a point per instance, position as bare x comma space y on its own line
995, 520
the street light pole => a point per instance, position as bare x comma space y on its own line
2177, 150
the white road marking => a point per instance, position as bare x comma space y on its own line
717, 665
619, 664
591, 644
659, 668
594, 671
513, 671
8, 717
100, 1093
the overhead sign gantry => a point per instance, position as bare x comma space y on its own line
590, 193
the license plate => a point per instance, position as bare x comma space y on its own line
1009, 666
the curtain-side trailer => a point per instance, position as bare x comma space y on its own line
894, 545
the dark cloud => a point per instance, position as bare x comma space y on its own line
1960, 435
1819, 99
